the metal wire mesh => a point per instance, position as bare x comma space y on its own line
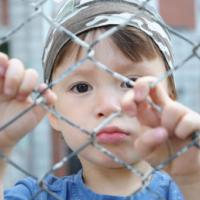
38, 11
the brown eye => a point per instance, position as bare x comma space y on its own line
127, 84
81, 88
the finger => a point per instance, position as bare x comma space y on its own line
128, 104
187, 125
147, 115
143, 89
150, 140
48, 94
3, 68
28, 84
142, 110
14, 76
3, 63
172, 114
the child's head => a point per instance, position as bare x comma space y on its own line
88, 95
80, 16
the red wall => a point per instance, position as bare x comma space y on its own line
4, 15
179, 13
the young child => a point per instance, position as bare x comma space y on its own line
141, 52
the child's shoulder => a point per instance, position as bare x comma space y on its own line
162, 184
29, 187
160, 178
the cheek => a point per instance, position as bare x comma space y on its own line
73, 136
78, 112
73, 107
69, 109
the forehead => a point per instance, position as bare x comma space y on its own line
127, 41
107, 53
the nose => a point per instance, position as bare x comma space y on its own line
107, 103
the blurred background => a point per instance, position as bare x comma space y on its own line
43, 146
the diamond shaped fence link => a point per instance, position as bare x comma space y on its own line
196, 51
37, 11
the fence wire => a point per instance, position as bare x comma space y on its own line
38, 100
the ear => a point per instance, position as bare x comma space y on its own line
53, 121
171, 90
173, 95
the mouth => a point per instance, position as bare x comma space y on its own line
111, 135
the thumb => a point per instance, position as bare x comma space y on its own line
150, 140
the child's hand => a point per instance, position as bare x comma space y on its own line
16, 85
173, 126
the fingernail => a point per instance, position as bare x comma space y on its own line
2, 71
161, 133
9, 91
138, 95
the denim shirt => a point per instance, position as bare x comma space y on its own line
161, 187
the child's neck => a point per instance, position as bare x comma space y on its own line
113, 181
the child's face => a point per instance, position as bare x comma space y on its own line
89, 95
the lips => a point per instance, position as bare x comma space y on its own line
111, 135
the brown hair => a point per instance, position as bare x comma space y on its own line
133, 43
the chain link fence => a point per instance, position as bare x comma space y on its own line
36, 8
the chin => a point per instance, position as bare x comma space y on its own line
99, 159
110, 163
